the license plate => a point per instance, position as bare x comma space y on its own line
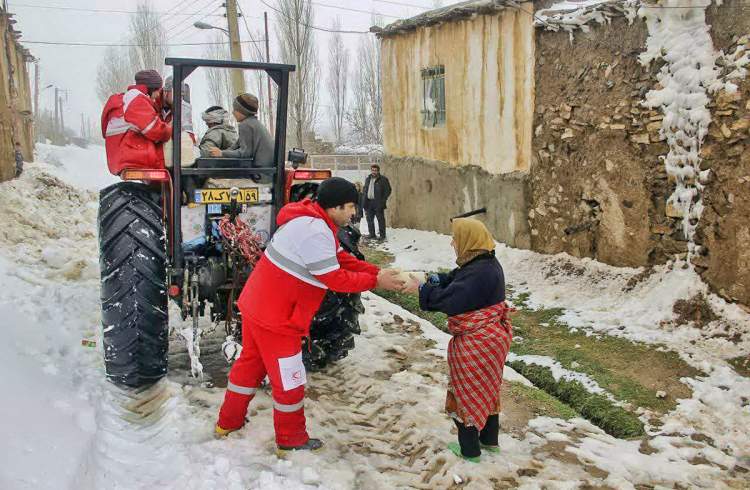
223, 196
214, 208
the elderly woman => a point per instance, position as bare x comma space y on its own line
473, 296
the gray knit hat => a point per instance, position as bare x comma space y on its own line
246, 104
150, 78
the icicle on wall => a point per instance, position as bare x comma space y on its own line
681, 38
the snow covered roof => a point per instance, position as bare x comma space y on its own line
452, 12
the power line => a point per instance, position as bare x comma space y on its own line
249, 32
403, 4
181, 22
317, 28
105, 45
191, 24
354, 10
104, 11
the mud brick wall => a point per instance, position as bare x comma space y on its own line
16, 123
426, 194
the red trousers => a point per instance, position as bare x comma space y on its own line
280, 357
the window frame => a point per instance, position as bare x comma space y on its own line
433, 79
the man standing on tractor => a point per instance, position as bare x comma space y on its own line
279, 300
132, 126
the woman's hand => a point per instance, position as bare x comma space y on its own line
214, 151
412, 285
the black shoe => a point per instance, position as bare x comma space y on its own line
310, 445
371, 237
381, 239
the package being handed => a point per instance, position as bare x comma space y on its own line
409, 276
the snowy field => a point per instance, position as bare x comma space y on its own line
379, 410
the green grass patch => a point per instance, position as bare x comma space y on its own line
741, 365
540, 402
377, 257
596, 408
631, 371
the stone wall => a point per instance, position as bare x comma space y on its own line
597, 186
724, 228
426, 194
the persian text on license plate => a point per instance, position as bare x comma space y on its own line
223, 196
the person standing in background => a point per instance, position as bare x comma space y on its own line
376, 193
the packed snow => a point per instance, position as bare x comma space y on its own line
379, 410
368, 149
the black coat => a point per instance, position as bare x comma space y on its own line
382, 193
476, 285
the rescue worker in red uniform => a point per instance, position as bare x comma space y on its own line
279, 300
132, 126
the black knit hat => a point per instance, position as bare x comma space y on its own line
336, 192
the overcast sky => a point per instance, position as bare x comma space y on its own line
75, 67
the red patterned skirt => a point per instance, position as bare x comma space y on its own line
476, 357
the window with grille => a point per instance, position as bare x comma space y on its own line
433, 96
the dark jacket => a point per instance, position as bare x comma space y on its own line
254, 142
359, 207
382, 193
478, 284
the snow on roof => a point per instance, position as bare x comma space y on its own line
569, 15
452, 12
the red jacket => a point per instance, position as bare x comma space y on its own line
302, 261
134, 131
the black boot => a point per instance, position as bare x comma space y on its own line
468, 439
488, 435
310, 445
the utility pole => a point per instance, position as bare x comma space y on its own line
36, 100
55, 137
235, 48
268, 78
83, 127
62, 124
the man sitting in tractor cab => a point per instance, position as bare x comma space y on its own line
221, 134
254, 141
132, 126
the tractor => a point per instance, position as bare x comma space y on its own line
162, 240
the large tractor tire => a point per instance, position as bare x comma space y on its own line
132, 259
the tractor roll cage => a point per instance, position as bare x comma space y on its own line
182, 68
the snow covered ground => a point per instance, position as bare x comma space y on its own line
379, 410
